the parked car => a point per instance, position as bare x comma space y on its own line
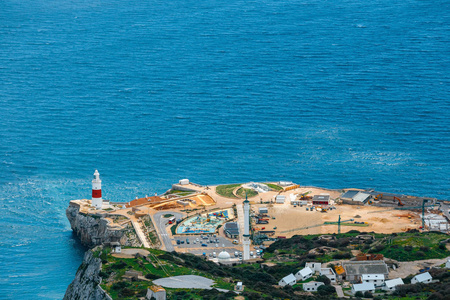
204, 245
178, 242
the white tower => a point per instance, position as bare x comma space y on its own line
97, 200
246, 229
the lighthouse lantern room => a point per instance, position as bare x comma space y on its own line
97, 200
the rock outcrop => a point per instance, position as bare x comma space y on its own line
93, 230
86, 285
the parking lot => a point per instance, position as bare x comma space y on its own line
196, 241
218, 244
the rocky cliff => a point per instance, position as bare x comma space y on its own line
94, 230
86, 286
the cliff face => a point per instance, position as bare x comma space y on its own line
93, 230
86, 286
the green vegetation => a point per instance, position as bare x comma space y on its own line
179, 193
411, 246
259, 279
250, 192
407, 246
227, 190
168, 215
173, 229
274, 187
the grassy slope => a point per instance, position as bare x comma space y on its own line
250, 193
227, 190
274, 187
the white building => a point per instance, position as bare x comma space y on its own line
389, 285
312, 286
329, 273
315, 266
183, 181
422, 278
288, 280
376, 279
239, 286
447, 264
363, 287
280, 199
304, 274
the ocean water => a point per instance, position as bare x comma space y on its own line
337, 94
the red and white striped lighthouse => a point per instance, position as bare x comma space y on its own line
97, 200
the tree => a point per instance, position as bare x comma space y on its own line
324, 279
368, 294
325, 290
359, 294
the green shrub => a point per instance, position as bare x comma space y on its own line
368, 294
326, 290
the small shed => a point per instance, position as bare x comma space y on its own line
447, 264
304, 274
422, 278
184, 181
239, 286
321, 199
389, 285
312, 286
363, 287
263, 210
287, 280
157, 292
280, 199
116, 247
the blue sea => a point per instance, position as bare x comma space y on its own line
338, 94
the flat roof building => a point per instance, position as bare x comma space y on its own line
376, 279
321, 199
231, 229
280, 199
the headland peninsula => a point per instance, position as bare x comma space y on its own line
260, 240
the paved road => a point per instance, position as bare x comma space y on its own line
160, 223
339, 291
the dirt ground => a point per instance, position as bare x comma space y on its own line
412, 267
288, 218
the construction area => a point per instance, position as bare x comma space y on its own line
278, 210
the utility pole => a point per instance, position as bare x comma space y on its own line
339, 225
